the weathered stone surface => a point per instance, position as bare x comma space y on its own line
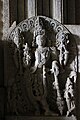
39, 7
57, 10
20, 10
75, 30
69, 12
39, 118
77, 13
1, 18
26, 9
5, 18
17, 75
32, 8
46, 8
13, 11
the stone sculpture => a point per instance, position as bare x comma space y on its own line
26, 53
42, 55
43, 66
55, 71
61, 43
69, 92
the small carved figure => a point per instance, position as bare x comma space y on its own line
41, 55
69, 92
55, 68
55, 71
26, 53
18, 53
61, 44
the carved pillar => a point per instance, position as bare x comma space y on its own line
1, 62
5, 18
39, 7
13, 11
46, 7
20, 10
25, 9
77, 11
51, 8
1, 17
70, 5
56, 9
9, 15
32, 8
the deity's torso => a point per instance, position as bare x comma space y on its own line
42, 56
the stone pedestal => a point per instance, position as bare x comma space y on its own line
39, 118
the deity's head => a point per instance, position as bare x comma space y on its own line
62, 38
39, 34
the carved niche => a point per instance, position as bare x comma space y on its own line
46, 64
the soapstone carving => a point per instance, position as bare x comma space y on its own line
70, 92
42, 56
61, 43
26, 53
55, 71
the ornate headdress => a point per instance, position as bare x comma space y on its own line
38, 30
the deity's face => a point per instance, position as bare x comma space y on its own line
41, 40
62, 39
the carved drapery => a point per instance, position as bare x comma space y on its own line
46, 69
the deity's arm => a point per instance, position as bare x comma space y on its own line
54, 57
63, 54
36, 59
66, 54
34, 68
55, 68
15, 57
54, 53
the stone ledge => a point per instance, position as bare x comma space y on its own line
38, 118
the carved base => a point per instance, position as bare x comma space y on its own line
38, 118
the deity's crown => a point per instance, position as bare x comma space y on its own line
39, 28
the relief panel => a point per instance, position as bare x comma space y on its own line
46, 69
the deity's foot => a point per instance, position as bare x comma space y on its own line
37, 113
68, 113
50, 113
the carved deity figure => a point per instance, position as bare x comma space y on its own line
69, 92
61, 44
55, 72
41, 67
26, 54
